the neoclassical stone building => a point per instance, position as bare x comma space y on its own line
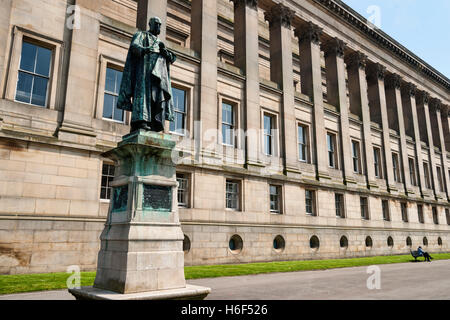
312, 133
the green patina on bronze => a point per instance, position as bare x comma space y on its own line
120, 199
146, 87
157, 198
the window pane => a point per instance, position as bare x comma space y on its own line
267, 125
110, 82
24, 84
118, 113
39, 91
44, 57
28, 58
179, 99
108, 106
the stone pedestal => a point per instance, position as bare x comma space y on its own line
141, 255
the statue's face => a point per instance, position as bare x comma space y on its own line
155, 26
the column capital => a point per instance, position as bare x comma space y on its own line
279, 14
435, 105
423, 97
393, 81
376, 71
358, 59
335, 47
249, 3
310, 32
409, 89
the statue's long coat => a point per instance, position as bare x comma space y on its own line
146, 90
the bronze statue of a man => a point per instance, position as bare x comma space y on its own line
146, 89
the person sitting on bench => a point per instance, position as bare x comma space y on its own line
426, 255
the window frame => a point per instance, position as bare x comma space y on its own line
313, 202
237, 118
125, 116
238, 194
366, 215
334, 150
378, 164
420, 214
187, 177
306, 145
412, 171
279, 194
232, 124
427, 175
396, 167
358, 156
342, 214
274, 133
440, 179
20, 35
385, 209
404, 211
435, 214
110, 164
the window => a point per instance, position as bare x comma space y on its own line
377, 162
396, 168
364, 208
420, 213
412, 171
310, 201
275, 199
268, 134
112, 87
228, 124
34, 74
232, 194
332, 155
178, 126
385, 208
356, 156
303, 143
439, 177
108, 171
435, 216
447, 216
404, 209
339, 204
183, 190
426, 173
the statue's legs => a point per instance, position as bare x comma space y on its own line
141, 124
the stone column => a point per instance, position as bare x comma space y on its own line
394, 96
204, 41
359, 103
281, 70
152, 8
436, 107
409, 101
423, 102
337, 96
311, 75
76, 126
246, 57
377, 100
446, 126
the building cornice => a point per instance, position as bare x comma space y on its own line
353, 18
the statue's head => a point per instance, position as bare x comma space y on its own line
155, 26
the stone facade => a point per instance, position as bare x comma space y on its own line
310, 63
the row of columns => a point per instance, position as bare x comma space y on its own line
367, 82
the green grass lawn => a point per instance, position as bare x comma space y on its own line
53, 281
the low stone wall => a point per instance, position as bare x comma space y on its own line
46, 245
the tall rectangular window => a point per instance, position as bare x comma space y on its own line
377, 162
339, 204
420, 213
396, 167
183, 190
112, 88
385, 208
412, 171
447, 216
440, 180
331, 146
356, 156
268, 135
404, 208
228, 124
34, 74
310, 200
303, 143
107, 178
178, 126
275, 199
364, 208
426, 172
232, 194
435, 215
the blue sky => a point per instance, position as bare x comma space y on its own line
422, 26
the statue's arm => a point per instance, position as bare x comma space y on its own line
137, 47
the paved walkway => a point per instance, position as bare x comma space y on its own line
398, 281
